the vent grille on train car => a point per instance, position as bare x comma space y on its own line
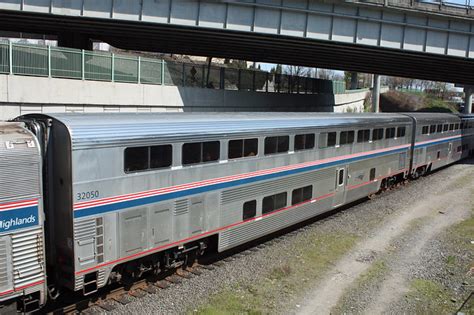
27, 253
85, 229
181, 206
269, 187
4, 283
19, 172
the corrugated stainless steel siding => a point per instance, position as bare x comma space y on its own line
92, 130
19, 173
5, 282
27, 253
255, 229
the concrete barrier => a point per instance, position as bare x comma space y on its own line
22, 94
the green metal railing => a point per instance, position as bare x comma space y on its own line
55, 62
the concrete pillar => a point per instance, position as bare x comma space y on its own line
354, 81
468, 91
376, 94
74, 40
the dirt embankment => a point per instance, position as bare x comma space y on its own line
396, 101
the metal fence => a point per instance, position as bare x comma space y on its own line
452, 3
48, 61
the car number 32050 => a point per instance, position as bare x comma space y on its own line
86, 195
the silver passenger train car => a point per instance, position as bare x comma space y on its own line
22, 257
132, 193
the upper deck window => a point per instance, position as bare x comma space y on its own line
432, 129
377, 134
147, 158
327, 139
439, 128
346, 137
456, 127
451, 127
401, 131
243, 148
363, 135
200, 152
390, 133
278, 144
445, 127
304, 142
425, 130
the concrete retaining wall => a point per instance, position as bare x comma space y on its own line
22, 94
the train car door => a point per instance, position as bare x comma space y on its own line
339, 193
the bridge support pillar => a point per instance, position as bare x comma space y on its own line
74, 40
354, 80
468, 91
376, 94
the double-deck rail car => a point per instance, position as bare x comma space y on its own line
131, 193
437, 141
467, 132
22, 256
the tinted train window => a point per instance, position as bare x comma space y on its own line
327, 139
148, 158
277, 144
363, 135
390, 133
200, 152
439, 128
161, 156
445, 127
301, 194
274, 202
432, 129
425, 130
377, 134
136, 159
242, 148
304, 142
456, 126
249, 210
346, 137
451, 126
401, 132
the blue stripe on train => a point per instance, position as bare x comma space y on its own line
437, 142
192, 191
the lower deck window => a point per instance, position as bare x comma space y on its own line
274, 202
249, 210
301, 195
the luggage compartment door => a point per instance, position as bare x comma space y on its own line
133, 226
160, 224
340, 190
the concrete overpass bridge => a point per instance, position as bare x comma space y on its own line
391, 37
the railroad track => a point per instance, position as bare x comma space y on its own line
109, 298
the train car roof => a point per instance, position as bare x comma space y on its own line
421, 117
106, 129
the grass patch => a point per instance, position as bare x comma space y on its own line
312, 256
429, 297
